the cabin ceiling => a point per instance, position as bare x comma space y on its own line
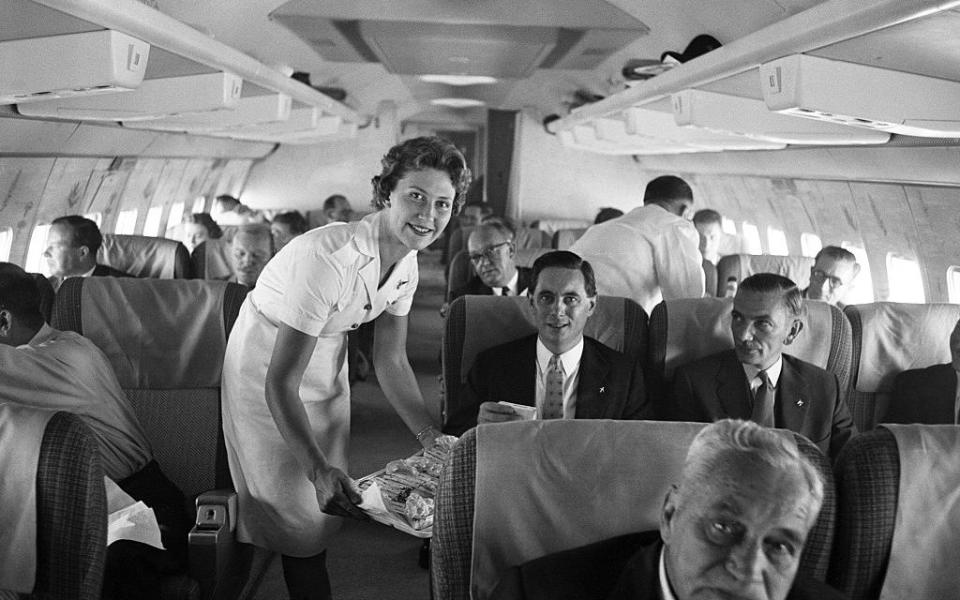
541, 52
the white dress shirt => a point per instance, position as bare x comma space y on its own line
773, 372
511, 285
571, 376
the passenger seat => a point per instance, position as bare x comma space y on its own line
144, 256
737, 267
888, 338
166, 340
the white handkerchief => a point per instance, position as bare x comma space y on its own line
371, 500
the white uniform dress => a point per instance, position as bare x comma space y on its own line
323, 283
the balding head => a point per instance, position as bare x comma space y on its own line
492, 253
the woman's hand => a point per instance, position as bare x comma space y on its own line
337, 494
428, 436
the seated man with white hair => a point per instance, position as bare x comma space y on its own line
733, 526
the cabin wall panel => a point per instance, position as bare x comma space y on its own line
22, 181
71, 189
886, 224
936, 212
301, 177
556, 182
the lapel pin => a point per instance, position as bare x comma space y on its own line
603, 389
799, 402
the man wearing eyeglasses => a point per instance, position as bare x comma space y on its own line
557, 373
493, 256
834, 269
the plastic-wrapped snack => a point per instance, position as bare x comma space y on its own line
419, 511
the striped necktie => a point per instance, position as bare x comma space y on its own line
763, 401
553, 390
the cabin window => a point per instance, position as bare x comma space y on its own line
953, 284
810, 244
777, 241
126, 222
174, 218
728, 226
96, 218
151, 226
38, 243
751, 239
861, 290
904, 279
199, 205
6, 241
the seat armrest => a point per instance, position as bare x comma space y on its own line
217, 561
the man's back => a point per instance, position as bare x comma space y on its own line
646, 255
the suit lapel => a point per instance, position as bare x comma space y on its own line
732, 391
591, 391
792, 398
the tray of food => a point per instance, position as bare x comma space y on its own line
402, 494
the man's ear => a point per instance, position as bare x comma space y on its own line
6, 323
84, 251
591, 304
795, 330
856, 271
668, 512
513, 248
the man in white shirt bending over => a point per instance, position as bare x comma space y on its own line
651, 253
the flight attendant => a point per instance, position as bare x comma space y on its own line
286, 397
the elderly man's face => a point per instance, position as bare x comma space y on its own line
830, 279
561, 307
739, 536
250, 254
64, 259
492, 255
761, 326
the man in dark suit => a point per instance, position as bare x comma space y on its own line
72, 245
558, 371
733, 527
756, 380
493, 255
928, 395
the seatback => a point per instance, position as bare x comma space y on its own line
886, 539
686, 329
741, 266
528, 238
211, 260
457, 241
527, 509
888, 338
165, 340
460, 271
564, 238
475, 323
143, 256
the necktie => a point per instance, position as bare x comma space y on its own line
763, 401
505, 290
553, 390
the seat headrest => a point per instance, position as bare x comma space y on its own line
494, 320
892, 337
741, 266
157, 333
143, 256
698, 327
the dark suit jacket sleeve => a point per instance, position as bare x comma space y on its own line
639, 405
843, 428
683, 404
905, 398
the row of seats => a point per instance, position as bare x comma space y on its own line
865, 346
478, 532
162, 258
165, 339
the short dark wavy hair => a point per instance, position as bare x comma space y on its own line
564, 259
417, 154
84, 232
205, 221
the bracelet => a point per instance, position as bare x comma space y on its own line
423, 431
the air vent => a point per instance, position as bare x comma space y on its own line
155, 98
64, 66
862, 96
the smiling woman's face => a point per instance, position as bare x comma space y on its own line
420, 207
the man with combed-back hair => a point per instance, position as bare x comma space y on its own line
650, 253
756, 380
733, 526
72, 245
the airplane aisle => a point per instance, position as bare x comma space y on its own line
370, 561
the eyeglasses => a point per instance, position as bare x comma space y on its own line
818, 275
489, 253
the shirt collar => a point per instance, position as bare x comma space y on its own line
569, 359
365, 236
512, 284
90, 272
773, 371
665, 589
45, 333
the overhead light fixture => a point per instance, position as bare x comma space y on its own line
459, 80
457, 102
